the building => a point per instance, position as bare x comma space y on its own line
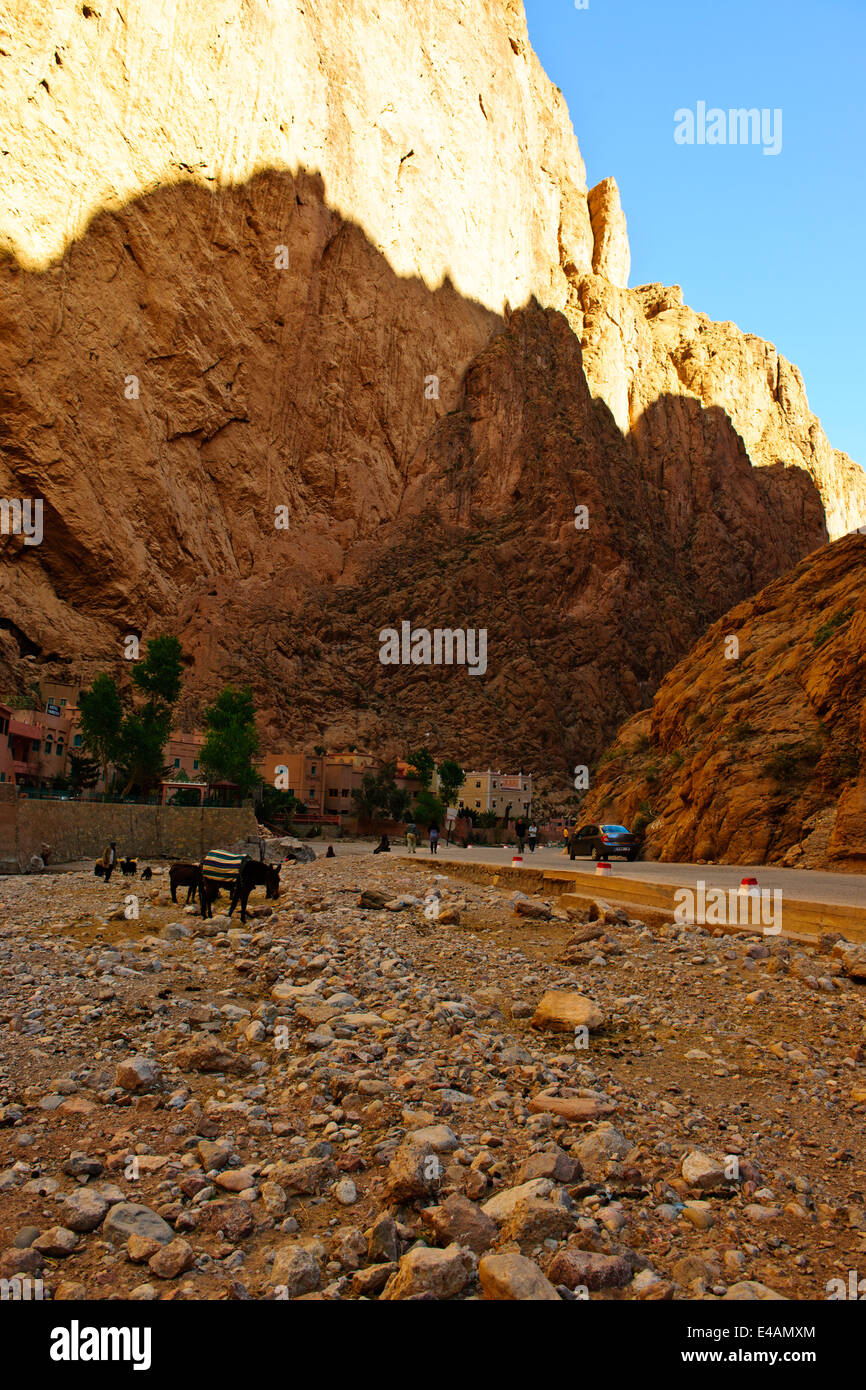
25, 744
405, 781
183, 754
302, 774
344, 773
7, 761
496, 792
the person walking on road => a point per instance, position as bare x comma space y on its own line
520, 832
411, 836
109, 859
434, 839
533, 836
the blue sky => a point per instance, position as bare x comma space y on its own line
774, 243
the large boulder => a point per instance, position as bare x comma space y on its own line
431, 1273
583, 1269
295, 1272
414, 1171
516, 1279
459, 1221
504, 1203
571, 1107
204, 1053
603, 1145
564, 1010
138, 1074
700, 1170
127, 1219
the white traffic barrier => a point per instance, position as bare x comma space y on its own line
602, 869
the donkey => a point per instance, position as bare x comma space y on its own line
187, 876
240, 874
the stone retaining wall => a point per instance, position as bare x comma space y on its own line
82, 829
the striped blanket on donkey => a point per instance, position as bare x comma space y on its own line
222, 867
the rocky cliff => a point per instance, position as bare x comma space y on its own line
310, 324
756, 752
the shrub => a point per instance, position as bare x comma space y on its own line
831, 625
792, 762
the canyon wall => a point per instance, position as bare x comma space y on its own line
756, 752
309, 322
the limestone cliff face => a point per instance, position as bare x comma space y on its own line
760, 756
433, 126
334, 265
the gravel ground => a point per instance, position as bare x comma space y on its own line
360, 1097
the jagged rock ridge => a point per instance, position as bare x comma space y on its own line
758, 757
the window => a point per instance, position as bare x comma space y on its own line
177, 762
312, 769
77, 741
478, 805
2, 776
478, 784
345, 791
332, 791
60, 748
312, 792
195, 764
49, 747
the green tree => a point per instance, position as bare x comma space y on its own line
185, 796
279, 805
365, 798
379, 794
160, 674
83, 772
451, 778
146, 730
399, 802
232, 740
101, 713
428, 808
422, 765
140, 756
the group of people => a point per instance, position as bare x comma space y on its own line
412, 837
526, 834
384, 845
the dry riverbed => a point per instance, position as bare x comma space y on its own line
344, 1101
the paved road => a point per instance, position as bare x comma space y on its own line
804, 885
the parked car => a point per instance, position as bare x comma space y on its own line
603, 841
